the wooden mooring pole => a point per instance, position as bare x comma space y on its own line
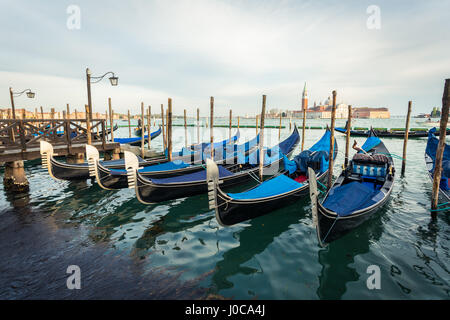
149, 119
405, 141
303, 128
88, 124
169, 129
211, 126
331, 158
142, 130
185, 130
111, 119
347, 136
279, 130
441, 146
261, 140
198, 125
129, 124
256, 124
231, 122
163, 128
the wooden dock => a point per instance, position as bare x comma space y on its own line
20, 140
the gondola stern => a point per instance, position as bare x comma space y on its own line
46, 150
93, 157
212, 179
131, 166
315, 205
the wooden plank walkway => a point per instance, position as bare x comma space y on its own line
32, 153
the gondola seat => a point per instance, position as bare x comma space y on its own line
317, 160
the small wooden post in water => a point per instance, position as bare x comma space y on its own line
261, 140
185, 130
106, 124
129, 124
441, 146
111, 119
169, 129
279, 129
211, 126
231, 117
347, 136
405, 141
142, 130
68, 112
149, 118
88, 124
198, 125
257, 124
331, 158
163, 129
52, 116
303, 128
290, 123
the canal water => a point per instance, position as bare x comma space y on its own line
177, 250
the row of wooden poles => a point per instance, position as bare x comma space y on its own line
437, 174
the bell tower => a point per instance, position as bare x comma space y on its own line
305, 98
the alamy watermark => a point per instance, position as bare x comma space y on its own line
374, 19
74, 280
73, 21
374, 280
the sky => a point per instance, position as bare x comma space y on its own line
235, 51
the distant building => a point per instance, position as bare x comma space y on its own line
324, 112
371, 113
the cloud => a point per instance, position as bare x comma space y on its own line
232, 50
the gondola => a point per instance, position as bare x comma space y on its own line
111, 179
283, 189
136, 141
66, 171
388, 133
74, 133
430, 158
361, 190
156, 190
138, 131
223, 143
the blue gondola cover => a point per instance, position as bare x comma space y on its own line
343, 201
192, 177
272, 187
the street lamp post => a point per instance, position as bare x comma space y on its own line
114, 81
30, 94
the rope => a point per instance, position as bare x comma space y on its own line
329, 230
321, 184
442, 209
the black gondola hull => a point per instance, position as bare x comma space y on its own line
139, 142
153, 193
343, 225
230, 213
63, 171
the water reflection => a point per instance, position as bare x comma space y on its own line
337, 257
183, 214
254, 239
